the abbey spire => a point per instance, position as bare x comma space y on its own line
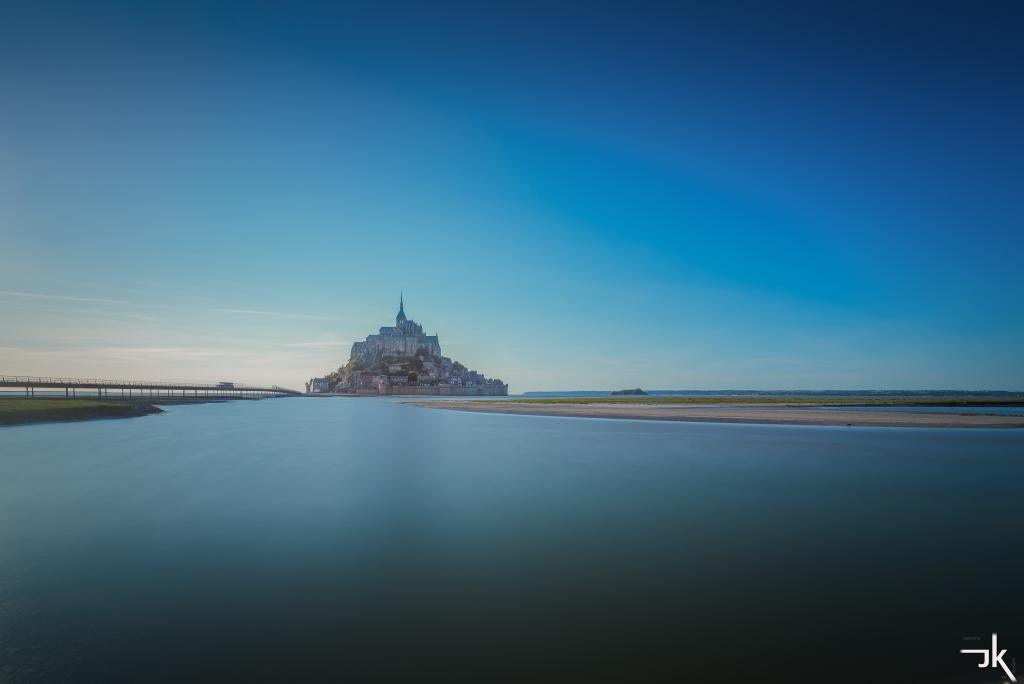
400, 318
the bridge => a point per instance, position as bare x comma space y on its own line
138, 389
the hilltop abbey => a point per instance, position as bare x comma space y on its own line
405, 338
402, 359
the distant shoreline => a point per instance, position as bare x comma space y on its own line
780, 413
1001, 395
965, 400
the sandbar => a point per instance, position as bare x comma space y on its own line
738, 413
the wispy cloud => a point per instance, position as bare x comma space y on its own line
65, 311
60, 333
118, 314
257, 312
166, 352
164, 307
320, 344
40, 352
62, 298
134, 352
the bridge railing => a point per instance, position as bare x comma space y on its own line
30, 380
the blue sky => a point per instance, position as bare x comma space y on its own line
574, 197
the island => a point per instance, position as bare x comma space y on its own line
629, 392
402, 359
763, 410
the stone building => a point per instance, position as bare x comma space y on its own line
318, 385
405, 338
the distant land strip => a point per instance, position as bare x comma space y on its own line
792, 393
765, 410
811, 399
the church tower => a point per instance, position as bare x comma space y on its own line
400, 318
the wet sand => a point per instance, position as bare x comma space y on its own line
738, 413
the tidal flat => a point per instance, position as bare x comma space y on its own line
774, 410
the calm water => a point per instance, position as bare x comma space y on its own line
319, 538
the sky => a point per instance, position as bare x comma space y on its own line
600, 196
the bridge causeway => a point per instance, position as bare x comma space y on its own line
138, 389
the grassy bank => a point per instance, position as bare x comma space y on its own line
795, 399
23, 411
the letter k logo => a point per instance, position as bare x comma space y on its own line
994, 658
